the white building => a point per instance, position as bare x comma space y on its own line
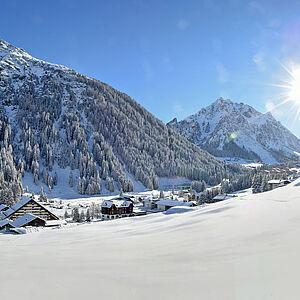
165, 204
150, 203
275, 183
220, 197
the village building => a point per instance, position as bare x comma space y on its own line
150, 203
6, 225
275, 183
165, 204
219, 197
28, 206
29, 220
114, 209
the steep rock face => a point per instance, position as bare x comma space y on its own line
237, 130
60, 120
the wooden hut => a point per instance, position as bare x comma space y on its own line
29, 220
29, 206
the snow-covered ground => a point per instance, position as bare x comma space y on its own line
243, 248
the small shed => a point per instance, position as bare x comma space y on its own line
275, 183
165, 204
150, 203
219, 197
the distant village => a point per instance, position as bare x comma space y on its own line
33, 213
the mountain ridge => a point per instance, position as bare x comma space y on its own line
237, 130
54, 119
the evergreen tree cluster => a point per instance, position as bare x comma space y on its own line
53, 117
10, 170
80, 216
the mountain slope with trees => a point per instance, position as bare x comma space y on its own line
52, 117
236, 130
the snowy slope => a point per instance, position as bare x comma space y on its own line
53, 119
228, 129
246, 248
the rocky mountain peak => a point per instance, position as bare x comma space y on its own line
256, 136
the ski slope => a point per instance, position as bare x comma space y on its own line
243, 248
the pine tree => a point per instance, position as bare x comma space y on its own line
71, 179
161, 194
82, 217
88, 215
66, 215
76, 216
202, 198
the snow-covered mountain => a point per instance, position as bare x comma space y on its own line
60, 127
237, 130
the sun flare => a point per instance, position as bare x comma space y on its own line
290, 93
294, 89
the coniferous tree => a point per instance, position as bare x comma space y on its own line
88, 216
76, 216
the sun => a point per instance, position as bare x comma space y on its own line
290, 94
293, 90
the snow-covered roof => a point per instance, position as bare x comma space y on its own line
2, 215
178, 210
277, 181
6, 222
129, 198
25, 219
3, 206
220, 197
168, 202
117, 203
23, 201
55, 222
150, 199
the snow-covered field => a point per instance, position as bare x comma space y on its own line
243, 248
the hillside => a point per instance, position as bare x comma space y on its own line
58, 126
245, 248
236, 130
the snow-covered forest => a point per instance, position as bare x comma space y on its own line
54, 118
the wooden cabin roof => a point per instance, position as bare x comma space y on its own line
24, 200
25, 219
6, 222
117, 203
169, 202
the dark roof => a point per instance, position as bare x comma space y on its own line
25, 219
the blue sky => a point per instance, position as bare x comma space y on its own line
173, 57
